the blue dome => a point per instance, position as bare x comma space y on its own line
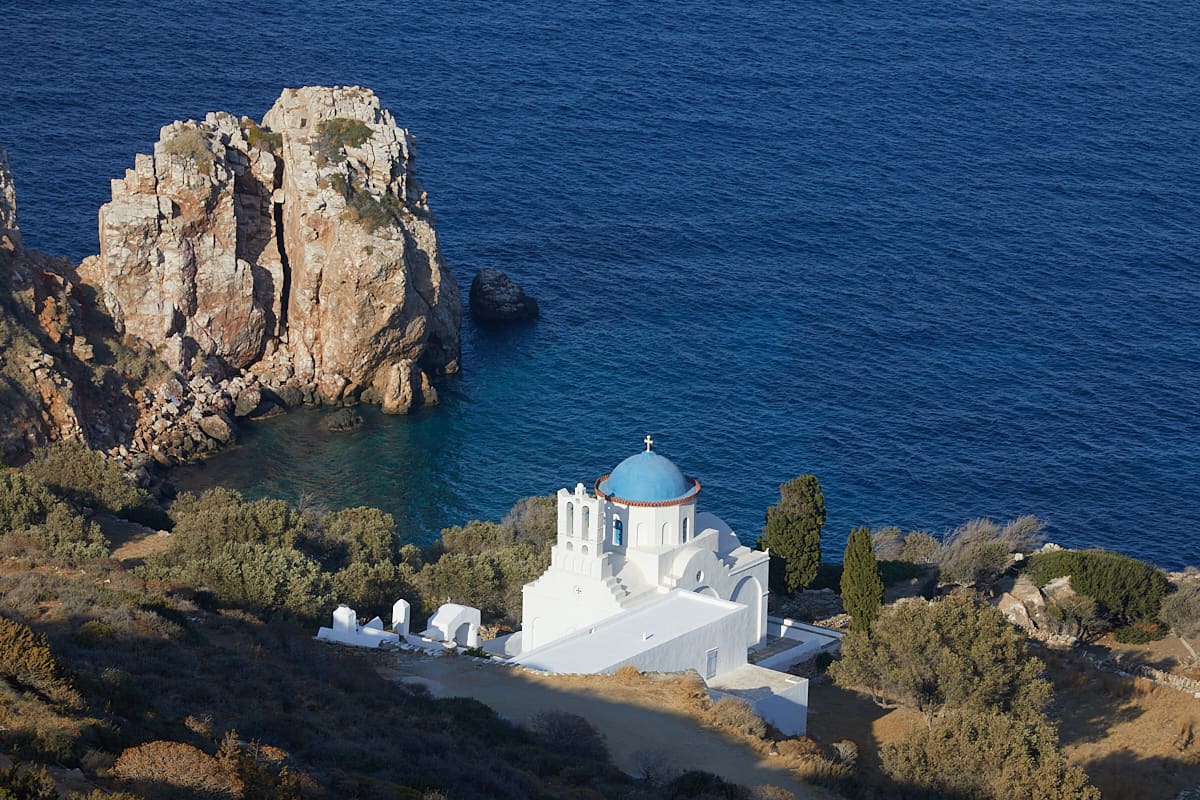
647, 477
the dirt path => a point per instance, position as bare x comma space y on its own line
639, 735
131, 542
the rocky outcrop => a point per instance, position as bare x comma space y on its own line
10, 235
496, 298
300, 251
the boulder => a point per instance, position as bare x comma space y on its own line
344, 419
247, 401
495, 297
215, 427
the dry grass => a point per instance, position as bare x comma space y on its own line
686, 694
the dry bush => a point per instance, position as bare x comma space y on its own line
1184, 734
847, 751
771, 793
167, 769
801, 747
628, 673
737, 715
26, 659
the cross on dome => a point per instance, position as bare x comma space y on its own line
648, 442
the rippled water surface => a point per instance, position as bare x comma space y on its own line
944, 257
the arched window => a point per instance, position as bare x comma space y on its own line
683, 531
618, 532
585, 550
570, 519
570, 547
587, 522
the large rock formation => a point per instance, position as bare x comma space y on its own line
301, 251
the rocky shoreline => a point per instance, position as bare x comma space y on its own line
244, 268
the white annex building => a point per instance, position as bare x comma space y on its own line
639, 577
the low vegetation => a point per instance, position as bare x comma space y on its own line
335, 135
191, 143
260, 138
372, 210
960, 664
1127, 590
973, 554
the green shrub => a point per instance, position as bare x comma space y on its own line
66, 535
822, 661
191, 143
85, 477
1123, 587
335, 135
261, 139
93, 633
24, 501
19, 782
697, 785
1139, 633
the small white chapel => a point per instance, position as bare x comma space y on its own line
639, 577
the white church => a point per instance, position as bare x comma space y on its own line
638, 576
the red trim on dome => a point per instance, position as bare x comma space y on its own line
678, 501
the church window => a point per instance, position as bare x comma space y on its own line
666, 533
683, 532
570, 547
570, 519
710, 666
618, 532
585, 550
587, 522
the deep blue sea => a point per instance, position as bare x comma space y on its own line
944, 256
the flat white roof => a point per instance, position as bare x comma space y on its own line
622, 636
754, 682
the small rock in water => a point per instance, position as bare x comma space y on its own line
344, 419
496, 298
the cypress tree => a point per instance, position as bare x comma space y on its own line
793, 530
862, 586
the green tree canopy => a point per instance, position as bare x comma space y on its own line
1124, 587
981, 755
956, 652
793, 530
862, 585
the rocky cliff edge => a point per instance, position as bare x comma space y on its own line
299, 252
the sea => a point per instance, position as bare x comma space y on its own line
944, 256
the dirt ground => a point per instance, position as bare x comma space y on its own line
638, 721
131, 542
1134, 738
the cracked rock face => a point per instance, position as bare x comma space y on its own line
301, 250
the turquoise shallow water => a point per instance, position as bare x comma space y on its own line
945, 258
